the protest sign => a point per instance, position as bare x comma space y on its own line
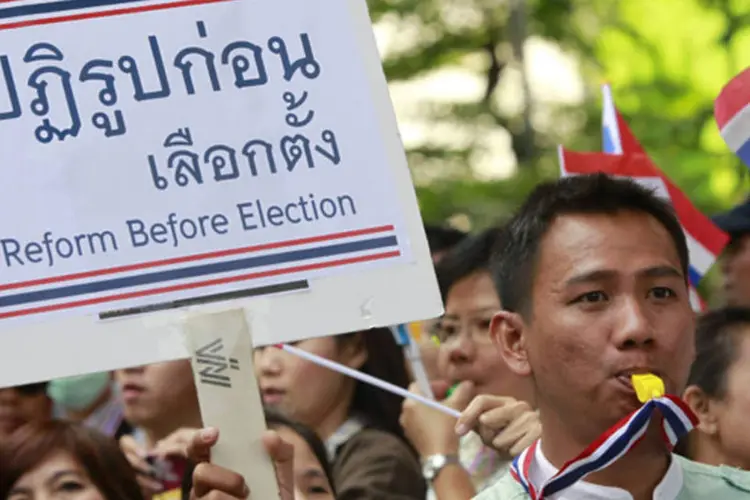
175, 168
163, 153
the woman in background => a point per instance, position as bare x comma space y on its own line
359, 424
717, 390
61, 460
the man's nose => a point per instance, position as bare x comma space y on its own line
134, 369
635, 329
461, 348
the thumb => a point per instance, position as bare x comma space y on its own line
462, 396
282, 454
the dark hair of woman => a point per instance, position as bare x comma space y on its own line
97, 454
276, 420
385, 360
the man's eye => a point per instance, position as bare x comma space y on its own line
592, 297
447, 330
662, 292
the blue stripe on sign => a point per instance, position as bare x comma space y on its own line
694, 276
196, 271
61, 6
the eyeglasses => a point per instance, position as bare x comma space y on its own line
450, 327
31, 389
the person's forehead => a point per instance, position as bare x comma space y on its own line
622, 242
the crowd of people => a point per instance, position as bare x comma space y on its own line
546, 319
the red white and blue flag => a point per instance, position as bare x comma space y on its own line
732, 113
677, 421
704, 239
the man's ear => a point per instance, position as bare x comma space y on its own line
508, 334
700, 403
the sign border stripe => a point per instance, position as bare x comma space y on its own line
106, 13
197, 257
182, 273
200, 284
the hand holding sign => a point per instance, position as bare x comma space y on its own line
213, 481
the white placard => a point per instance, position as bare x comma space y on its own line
157, 151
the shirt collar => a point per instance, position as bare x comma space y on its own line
541, 470
348, 429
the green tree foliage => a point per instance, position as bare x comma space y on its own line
666, 61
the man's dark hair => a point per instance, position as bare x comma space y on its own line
441, 238
518, 246
470, 255
717, 337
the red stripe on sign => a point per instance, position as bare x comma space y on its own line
196, 257
199, 284
106, 13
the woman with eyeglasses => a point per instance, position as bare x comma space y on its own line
461, 466
23, 404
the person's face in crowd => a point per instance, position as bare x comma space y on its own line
21, 405
725, 420
154, 395
57, 477
608, 300
735, 265
311, 394
466, 351
310, 480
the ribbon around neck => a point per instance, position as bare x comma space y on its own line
677, 421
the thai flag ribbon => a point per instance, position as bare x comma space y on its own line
677, 421
732, 113
705, 240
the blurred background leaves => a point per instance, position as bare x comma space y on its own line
485, 90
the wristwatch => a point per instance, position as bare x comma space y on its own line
432, 465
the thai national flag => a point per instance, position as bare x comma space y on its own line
732, 113
705, 240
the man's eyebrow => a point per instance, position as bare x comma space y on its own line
591, 277
600, 275
662, 272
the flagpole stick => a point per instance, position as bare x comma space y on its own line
368, 379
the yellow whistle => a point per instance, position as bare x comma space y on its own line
647, 386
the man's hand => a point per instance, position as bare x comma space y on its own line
430, 431
505, 424
211, 482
